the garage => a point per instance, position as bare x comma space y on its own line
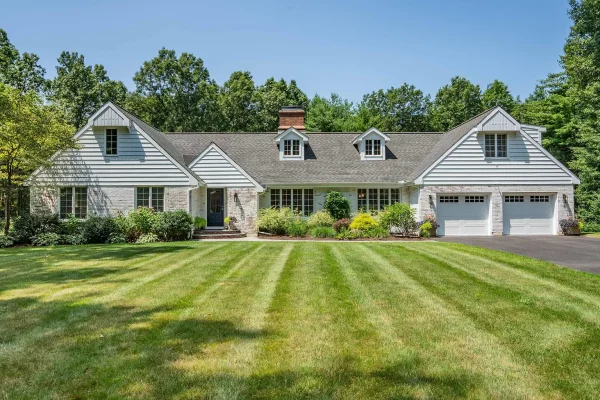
463, 215
528, 214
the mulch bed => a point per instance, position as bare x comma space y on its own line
263, 235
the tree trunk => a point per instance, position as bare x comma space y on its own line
7, 201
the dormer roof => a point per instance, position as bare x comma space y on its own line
283, 134
360, 137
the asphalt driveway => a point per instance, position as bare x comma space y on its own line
582, 253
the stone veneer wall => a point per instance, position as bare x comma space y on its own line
244, 209
106, 200
564, 196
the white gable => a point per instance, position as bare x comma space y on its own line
109, 116
216, 169
527, 163
498, 121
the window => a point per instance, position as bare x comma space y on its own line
514, 199
291, 147
111, 142
376, 199
539, 199
153, 197
73, 201
275, 198
299, 200
448, 199
474, 199
373, 147
496, 146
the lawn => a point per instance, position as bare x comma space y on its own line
294, 320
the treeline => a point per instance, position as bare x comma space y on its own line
175, 93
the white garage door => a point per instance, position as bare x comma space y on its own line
528, 214
463, 215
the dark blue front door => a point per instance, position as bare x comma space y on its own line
215, 207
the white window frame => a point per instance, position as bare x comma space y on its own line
303, 198
73, 202
496, 136
292, 152
379, 191
149, 205
106, 142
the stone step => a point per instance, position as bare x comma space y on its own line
205, 235
216, 231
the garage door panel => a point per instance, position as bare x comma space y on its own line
528, 214
457, 217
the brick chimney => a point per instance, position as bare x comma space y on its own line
291, 116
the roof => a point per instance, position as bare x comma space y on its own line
329, 157
448, 140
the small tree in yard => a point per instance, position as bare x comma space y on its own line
30, 133
337, 205
399, 216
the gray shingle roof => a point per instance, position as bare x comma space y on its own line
329, 157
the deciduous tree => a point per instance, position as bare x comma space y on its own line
455, 103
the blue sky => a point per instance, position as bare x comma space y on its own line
348, 47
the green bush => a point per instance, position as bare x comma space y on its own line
297, 227
5, 241
147, 238
124, 226
141, 221
26, 227
46, 239
273, 220
337, 205
363, 222
425, 229
400, 217
341, 224
590, 227
378, 232
98, 229
200, 223
72, 226
321, 218
172, 225
323, 232
116, 238
74, 239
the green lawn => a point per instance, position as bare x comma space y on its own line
294, 320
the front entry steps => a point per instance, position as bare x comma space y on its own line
200, 234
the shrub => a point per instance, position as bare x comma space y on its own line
323, 232
425, 229
74, 239
321, 218
399, 216
590, 227
46, 239
172, 225
378, 232
141, 221
147, 238
200, 223
363, 222
116, 238
72, 226
5, 241
297, 227
98, 229
341, 224
124, 226
273, 220
337, 205
28, 226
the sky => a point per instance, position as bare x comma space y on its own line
347, 47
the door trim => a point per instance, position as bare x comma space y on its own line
224, 207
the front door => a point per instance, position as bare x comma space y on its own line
215, 207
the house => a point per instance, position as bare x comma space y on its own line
487, 176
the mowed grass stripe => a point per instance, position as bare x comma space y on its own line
540, 336
497, 370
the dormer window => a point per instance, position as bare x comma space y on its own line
496, 145
291, 147
111, 142
372, 147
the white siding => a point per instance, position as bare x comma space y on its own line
499, 122
217, 171
138, 163
109, 117
534, 133
526, 165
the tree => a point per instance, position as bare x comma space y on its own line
455, 103
270, 97
23, 117
80, 90
235, 103
176, 94
332, 114
21, 71
402, 109
497, 94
